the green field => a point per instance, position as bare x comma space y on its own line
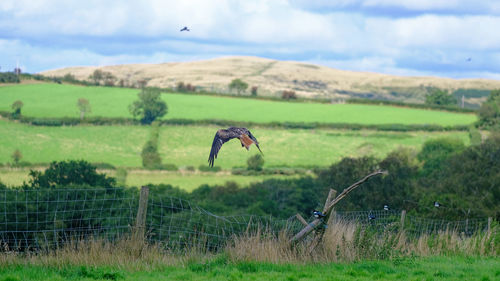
190, 145
55, 100
434, 268
184, 180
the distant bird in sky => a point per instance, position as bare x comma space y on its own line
243, 134
469, 59
185, 29
317, 214
386, 208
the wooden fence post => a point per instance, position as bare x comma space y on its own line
140, 220
490, 219
403, 217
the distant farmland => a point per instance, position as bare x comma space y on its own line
54, 100
190, 145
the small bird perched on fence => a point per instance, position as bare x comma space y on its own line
371, 216
243, 134
185, 29
317, 214
386, 208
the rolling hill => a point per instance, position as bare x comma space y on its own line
273, 76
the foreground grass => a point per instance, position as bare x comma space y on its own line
184, 180
54, 100
190, 145
433, 268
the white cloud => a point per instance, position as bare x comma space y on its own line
55, 33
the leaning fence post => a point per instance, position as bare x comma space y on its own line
140, 220
490, 219
403, 217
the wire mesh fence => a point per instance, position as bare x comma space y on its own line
49, 218
39, 219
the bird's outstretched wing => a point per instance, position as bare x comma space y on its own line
254, 141
216, 145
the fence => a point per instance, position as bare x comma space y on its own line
43, 219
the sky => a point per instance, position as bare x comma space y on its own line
446, 38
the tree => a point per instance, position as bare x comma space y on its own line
440, 97
17, 106
109, 79
65, 173
489, 113
253, 91
150, 157
149, 106
83, 106
97, 76
16, 157
255, 162
238, 85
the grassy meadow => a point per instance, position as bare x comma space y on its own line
434, 268
190, 145
138, 177
55, 100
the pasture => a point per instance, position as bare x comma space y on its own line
55, 100
190, 145
431, 268
137, 177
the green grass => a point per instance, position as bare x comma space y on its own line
190, 145
184, 180
433, 268
54, 100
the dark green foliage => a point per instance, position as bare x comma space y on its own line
489, 113
255, 162
439, 97
9, 77
475, 136
121, 176
435, 152
469, 182
70, 173
150, 157
238, 85
16, 107
16, 157
149, 106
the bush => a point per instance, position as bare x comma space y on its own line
255, 162
65, 173
287, 95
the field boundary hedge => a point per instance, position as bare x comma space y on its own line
101, 121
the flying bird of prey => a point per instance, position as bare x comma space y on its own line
185, 29
243, 134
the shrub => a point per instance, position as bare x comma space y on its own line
16, 157
255, 162
287, 95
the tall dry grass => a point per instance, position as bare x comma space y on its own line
348, 242
342, 242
